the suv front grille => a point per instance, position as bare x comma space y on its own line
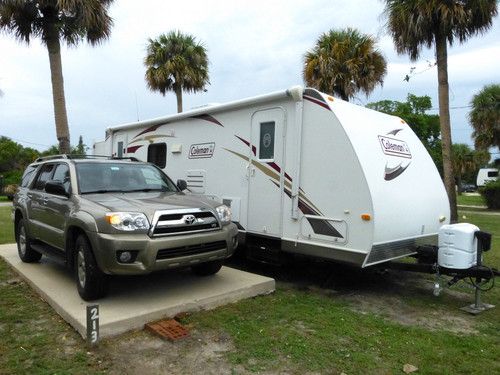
190, 250
183, 221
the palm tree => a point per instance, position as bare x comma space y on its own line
53, 21
344, 62
485, 117
176, 62
414, 24
463, 161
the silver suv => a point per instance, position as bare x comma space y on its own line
104, 216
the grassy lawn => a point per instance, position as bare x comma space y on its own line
470, 200
3, 198
296, 330
6, 226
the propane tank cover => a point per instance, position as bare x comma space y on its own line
457, 246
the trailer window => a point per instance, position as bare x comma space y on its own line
493, 174
266, 145
157, 154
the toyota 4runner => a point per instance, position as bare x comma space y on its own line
105, 216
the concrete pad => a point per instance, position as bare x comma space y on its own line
136, 300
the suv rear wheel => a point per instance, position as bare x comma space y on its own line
208, 268
26, 253
91, 282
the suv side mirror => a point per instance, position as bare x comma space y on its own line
182, 185
56, 188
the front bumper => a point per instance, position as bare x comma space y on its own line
106, 246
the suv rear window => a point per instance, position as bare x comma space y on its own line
121, 177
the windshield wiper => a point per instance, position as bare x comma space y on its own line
102, 191
145, 190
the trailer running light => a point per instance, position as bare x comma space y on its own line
330, 98
366, 217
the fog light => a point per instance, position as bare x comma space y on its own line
126, 256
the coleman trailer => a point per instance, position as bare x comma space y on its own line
303, 173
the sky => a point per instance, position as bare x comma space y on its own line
253, 47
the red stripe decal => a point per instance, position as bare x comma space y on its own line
148, 130
132, 149
207, 118
311, 99
254, 149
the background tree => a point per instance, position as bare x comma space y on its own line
53, 21
414, 24
485, 117
14, 158
463, 162
176, 62
344, 62
425, 126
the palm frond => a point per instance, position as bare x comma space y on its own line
176, 60
344, 62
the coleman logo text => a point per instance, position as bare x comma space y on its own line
201, 150
394, 147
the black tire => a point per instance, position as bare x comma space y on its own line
208, 268
24, 249
91, 282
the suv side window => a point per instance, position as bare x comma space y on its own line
62, 174
28, 174
43, 176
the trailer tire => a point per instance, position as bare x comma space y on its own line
24, 249
91, 282
208, 268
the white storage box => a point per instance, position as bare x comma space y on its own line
457, 246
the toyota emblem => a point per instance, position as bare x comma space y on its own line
189, 219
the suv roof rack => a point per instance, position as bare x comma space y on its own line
78, 156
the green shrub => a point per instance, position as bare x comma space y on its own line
491, 194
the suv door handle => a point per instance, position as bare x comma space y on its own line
45, 200
29, 195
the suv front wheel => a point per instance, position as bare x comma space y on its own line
26, 253
90, 280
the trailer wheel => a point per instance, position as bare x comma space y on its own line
208, 268
24, 249
91, 282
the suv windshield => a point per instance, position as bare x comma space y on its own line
121, 177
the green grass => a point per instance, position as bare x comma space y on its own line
471, 200
307, 331
292, 330
33, 338
6, 226
3, 198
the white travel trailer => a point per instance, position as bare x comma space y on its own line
303, 173
486, 175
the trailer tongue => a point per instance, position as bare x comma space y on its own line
459, 255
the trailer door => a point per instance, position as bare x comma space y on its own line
119, 145
265, 172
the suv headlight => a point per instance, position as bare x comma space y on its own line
128, 221
224, 213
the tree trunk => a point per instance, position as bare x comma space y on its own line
61, 118
178, 94
444, 120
